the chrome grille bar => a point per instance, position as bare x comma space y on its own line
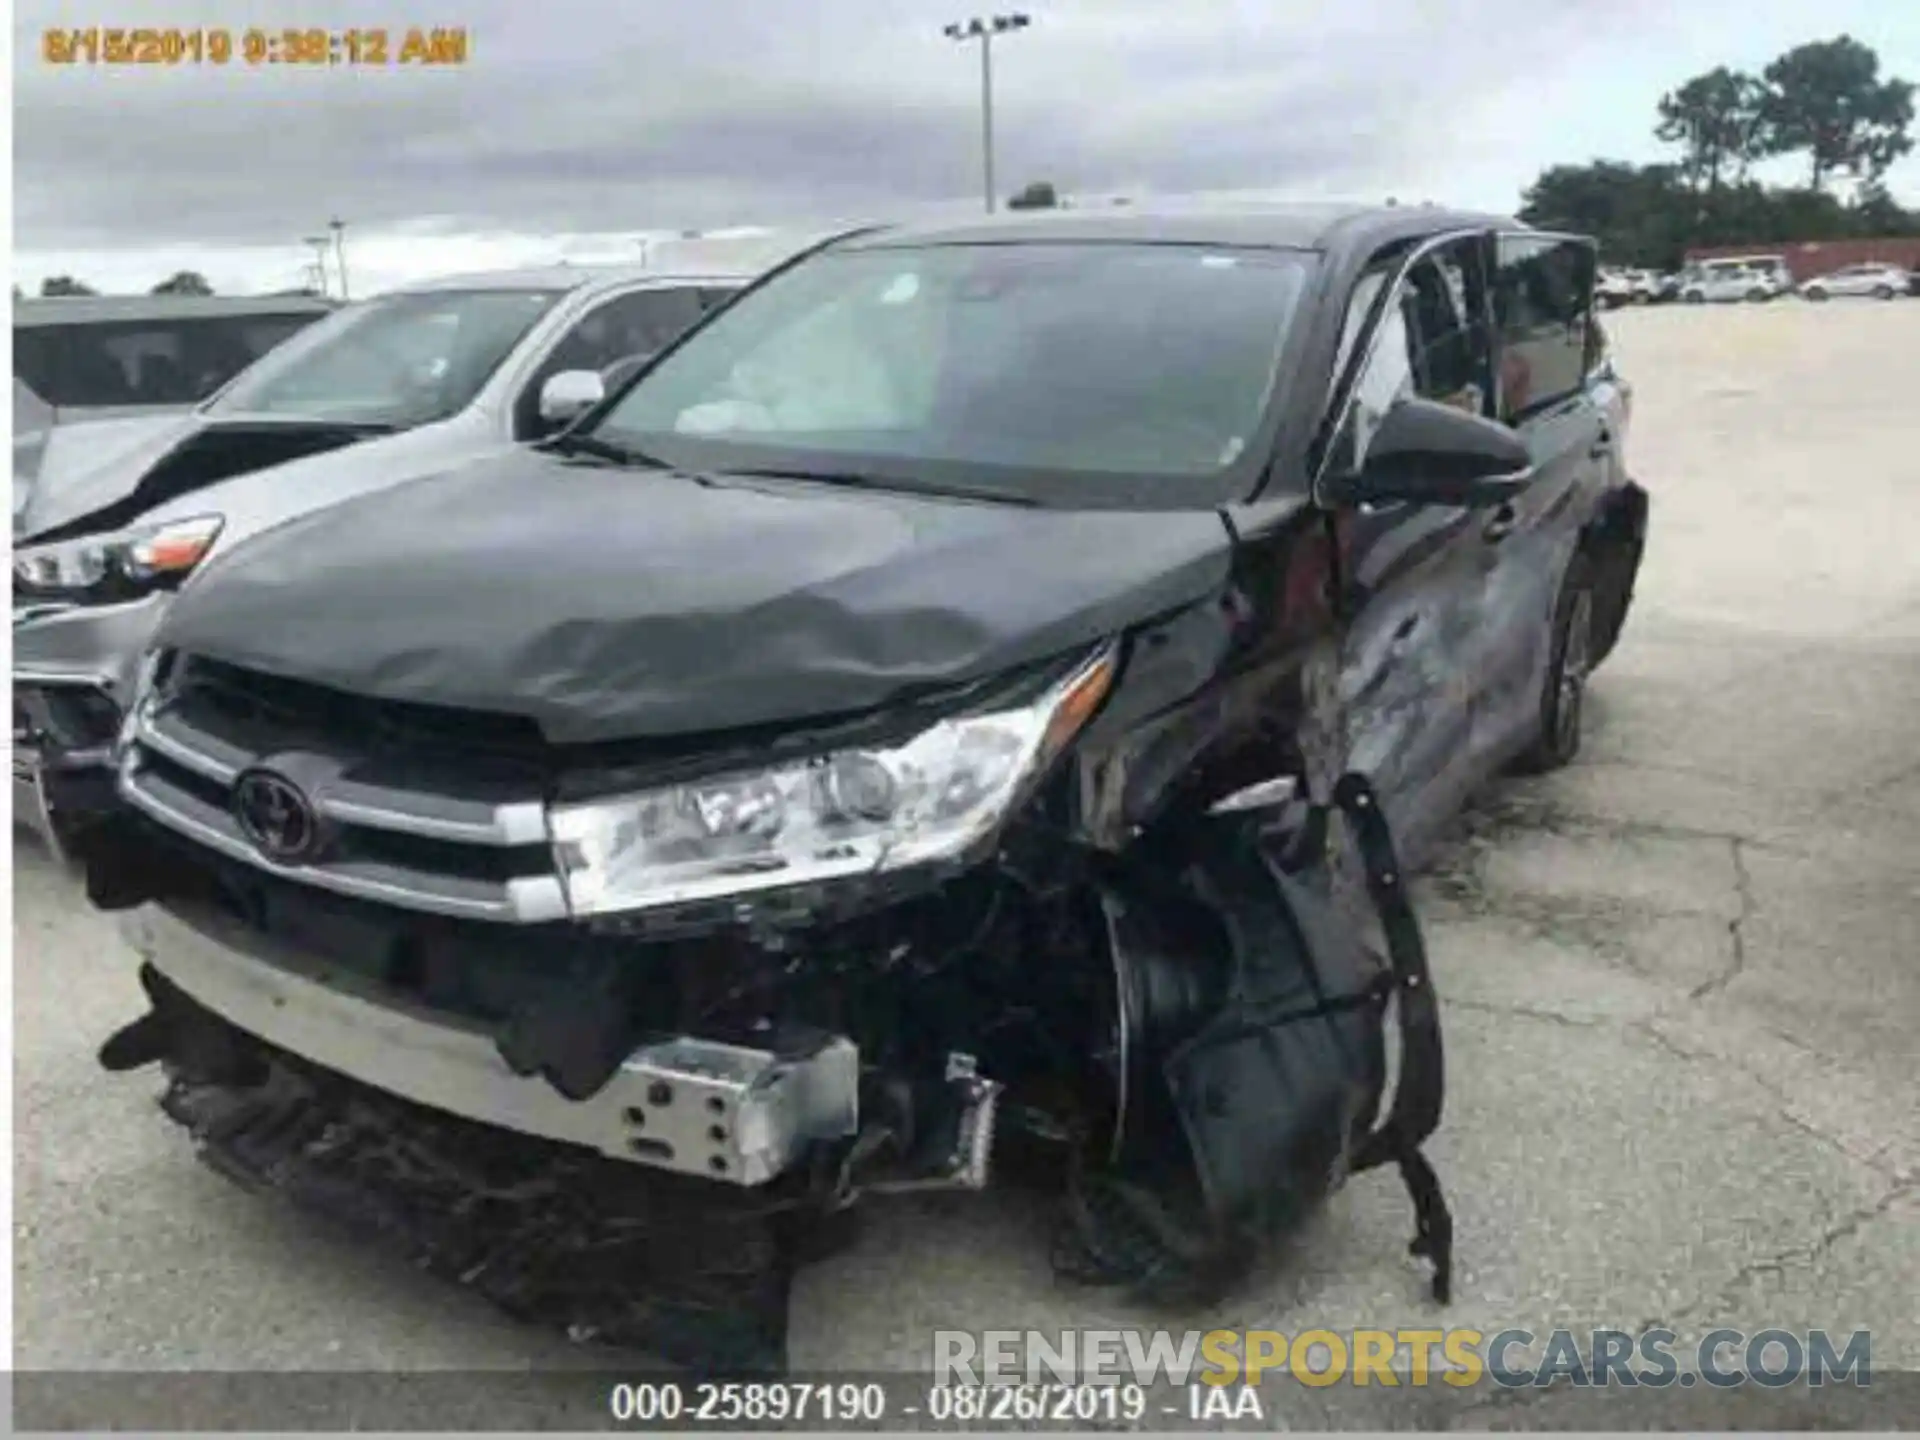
522, 900
352, 802
348, 799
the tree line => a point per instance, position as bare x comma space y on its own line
181, 282
1825, 102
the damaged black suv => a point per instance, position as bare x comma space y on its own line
930, 718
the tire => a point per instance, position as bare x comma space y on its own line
1883, 292
1694, 297
1816, 294
1556, 740
1757, 295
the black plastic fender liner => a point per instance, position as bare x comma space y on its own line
1277, 1091
1276, 1098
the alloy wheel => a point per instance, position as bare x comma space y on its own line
1570, 685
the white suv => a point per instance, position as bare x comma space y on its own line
1757, 279
1882, 282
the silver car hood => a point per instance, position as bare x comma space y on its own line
92, 463
265, 498
248, 502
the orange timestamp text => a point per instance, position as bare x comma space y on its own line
306, 47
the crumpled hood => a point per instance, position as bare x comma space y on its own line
91, 463
254, 470
610, 604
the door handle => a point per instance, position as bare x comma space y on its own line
1603, 446
1501, 523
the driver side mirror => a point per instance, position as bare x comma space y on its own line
1427, 453
567, 396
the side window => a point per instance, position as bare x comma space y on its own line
612, 336
1543, 306
34, 355
1452, 347
1432, 342
153, 360
74, 367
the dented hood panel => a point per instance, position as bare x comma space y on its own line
95, 462
609, 603
184, 473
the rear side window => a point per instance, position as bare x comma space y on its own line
1543, 307
162, 362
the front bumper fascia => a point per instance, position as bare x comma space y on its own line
91, 648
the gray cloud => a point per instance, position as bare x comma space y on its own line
573, 115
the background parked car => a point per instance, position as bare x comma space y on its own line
1758, 278
1615, 288
1629, 287
90, 358
1882, 282
414, 381
1646, 286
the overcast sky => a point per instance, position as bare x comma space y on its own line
596, 120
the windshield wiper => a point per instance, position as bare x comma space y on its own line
626, 455
856, 481
590, 444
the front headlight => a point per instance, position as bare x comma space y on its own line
851, 812
119, 566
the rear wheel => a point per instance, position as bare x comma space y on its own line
1694, 297
1816, 294
1570, 660
1757, 295
1883, 292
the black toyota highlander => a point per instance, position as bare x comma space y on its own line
892, 732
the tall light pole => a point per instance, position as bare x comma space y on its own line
320, 244
339, 228
983, 28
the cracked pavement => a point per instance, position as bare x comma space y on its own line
1681, 982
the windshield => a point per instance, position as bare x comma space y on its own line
1030, 364
400, 360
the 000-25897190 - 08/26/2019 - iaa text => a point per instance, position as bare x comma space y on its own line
305, 46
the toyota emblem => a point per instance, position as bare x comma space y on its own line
274, 814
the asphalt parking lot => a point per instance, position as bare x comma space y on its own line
1682, 983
